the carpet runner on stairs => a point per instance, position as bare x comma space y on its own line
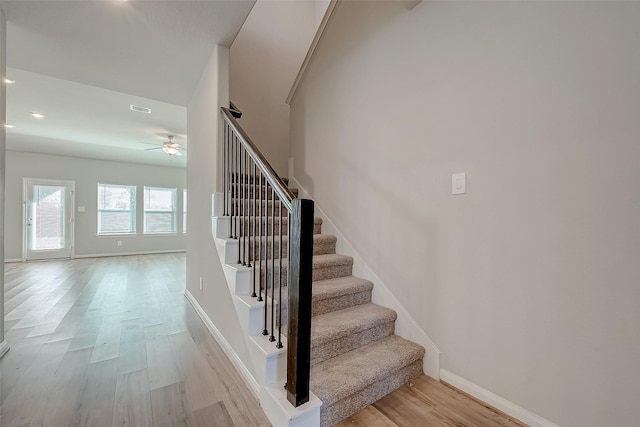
355, 357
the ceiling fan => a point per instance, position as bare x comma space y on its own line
169, 147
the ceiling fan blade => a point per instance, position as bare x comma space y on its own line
155, 148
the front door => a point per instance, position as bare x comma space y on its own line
48, 225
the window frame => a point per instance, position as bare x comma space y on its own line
132, 211
173, 212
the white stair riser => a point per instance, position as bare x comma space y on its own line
251, 314
270, 362
220, 226
240, 278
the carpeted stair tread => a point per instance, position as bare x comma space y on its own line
324, 266
246, 191
345, 375
261, 247
340, 286
243, 177
319, 261
339, 293
266, 208
329, 260
266, 224
340, 324
316, 238
285, 220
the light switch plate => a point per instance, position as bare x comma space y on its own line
80, 208
459, 183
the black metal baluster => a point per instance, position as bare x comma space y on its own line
255, 235
224, 166
279, 345
227, 146
260, 242
249, 203
239, 206
229, 168
266, 258
247, 211
240, 202
273, 262
234, 219
236, 186
243, 225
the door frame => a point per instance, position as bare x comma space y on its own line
26, 182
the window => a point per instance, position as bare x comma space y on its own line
116, 209
159, 210
184, 211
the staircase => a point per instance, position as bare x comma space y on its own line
355, 357
350, 347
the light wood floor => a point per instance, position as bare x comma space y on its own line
113, 341
426, 402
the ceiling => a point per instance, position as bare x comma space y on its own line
83, 62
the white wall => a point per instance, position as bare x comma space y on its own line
529, 283
265, 59
3, 114
203, 179
87, 173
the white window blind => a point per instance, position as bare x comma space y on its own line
184, 211
159, 210
116, 209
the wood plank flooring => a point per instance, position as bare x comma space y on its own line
113, 342
427, 402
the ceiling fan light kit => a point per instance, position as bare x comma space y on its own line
169, 147
171, 150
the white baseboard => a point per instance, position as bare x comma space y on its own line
168, 251
226, 347
406, 325
494, 400
4, 348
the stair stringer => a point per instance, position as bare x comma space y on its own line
405, 326
269, 362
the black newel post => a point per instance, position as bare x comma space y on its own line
299, 278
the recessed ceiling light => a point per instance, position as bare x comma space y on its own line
38, 115
8, 126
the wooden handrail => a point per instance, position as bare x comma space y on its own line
274, 179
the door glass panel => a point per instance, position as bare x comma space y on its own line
48, 226
49, 217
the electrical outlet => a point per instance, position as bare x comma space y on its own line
119, 243
201, 283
